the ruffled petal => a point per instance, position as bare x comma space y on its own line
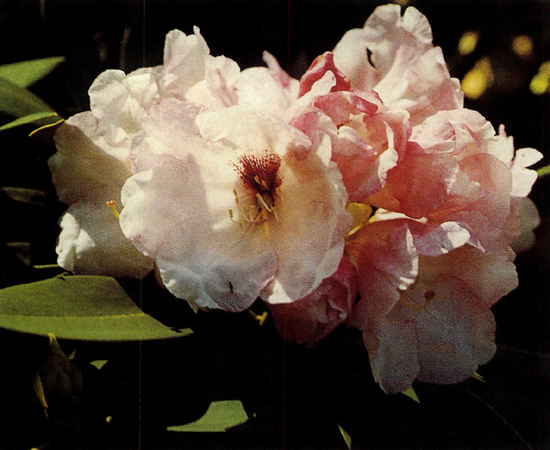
120, 102
178, 215
442, 329
308, 236
184, 62
85, 166
406, 70
263, 89
250, 131
418, 185
370, 140
218, 89
387, 262
308, 320
318, 68
350, 57
523, 178
91, 243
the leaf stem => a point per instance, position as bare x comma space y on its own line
543, 171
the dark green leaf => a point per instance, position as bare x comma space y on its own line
346, 436
26, 195
93, 308
221, 416
41, 118
25, 73
543, 171
18, 102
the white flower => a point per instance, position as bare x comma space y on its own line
243, 206
93, 158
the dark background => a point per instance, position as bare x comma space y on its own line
511, 410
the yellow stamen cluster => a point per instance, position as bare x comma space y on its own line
259, 176
254, 212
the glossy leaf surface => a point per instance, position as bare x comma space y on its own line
38, 117
19, 102
93, 308
221, 416
25, 73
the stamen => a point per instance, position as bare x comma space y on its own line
263, 202
260, 179
259, 317
111, 204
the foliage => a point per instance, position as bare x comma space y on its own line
92, 308
16, 100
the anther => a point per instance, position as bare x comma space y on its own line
111, 204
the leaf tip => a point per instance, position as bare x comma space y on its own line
346, 436
478, 377
411, 394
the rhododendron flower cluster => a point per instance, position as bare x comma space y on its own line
363, 194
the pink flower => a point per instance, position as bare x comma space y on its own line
236, 185
369, 140
436, 254
404, 68
440, 329
237, 206
448, 195
308, 320
93, 158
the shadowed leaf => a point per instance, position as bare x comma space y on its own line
19, 102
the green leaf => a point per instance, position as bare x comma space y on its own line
25, 73
543, 171
90, 308
346, 436
25, 195
478, 377
18, 102
411, 394
38, 388
220, 416
38, 117
99, 363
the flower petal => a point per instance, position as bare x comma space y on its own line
85, 166
308, 236
386, 262
184, 62
308, 320
442, 328
177, 214
91, 243
119, 102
